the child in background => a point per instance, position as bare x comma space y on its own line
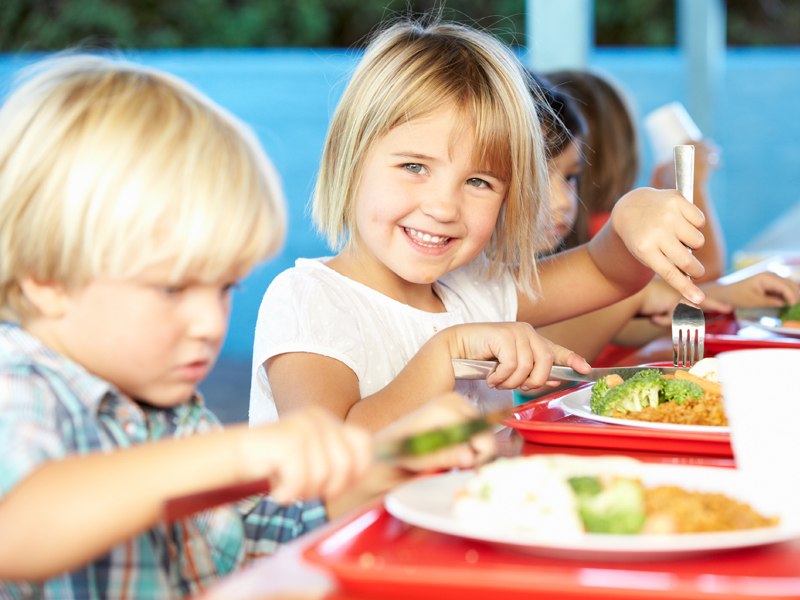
130, 205
565, 135
433, 177
611, 146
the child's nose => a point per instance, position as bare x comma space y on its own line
442, 203
209, 316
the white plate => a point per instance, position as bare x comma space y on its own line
766, 318
577, 403
428, 503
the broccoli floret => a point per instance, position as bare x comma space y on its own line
585, 486
619, 508
678, 390
651, 375
631, 396
790, 313
599, 391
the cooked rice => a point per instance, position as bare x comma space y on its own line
707, 410
671, 509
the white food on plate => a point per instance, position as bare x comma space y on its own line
708, 368
532, 492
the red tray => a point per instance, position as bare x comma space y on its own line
724, 334
542, 421
374, 555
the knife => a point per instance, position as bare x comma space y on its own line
481, 369
386, 450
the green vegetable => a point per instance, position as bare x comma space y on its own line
790, 313
633, 395
599, 391
678, 390
585, 486
618, 509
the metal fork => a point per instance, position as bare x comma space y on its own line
688, 322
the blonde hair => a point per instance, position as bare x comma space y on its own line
107, 167
411, 70
611, 145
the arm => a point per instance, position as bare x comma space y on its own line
525, 361
104, 499
713, 253
649, 230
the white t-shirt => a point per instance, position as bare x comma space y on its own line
312, 308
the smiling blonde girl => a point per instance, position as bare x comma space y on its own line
431, 187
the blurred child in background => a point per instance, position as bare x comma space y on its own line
431, 187
130, 206
647, 314
612, 164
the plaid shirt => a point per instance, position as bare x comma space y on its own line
50, 407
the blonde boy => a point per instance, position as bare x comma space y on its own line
130, 205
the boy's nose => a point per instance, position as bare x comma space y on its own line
209, 317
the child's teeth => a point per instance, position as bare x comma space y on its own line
426, 237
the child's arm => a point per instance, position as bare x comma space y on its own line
68, 512
648, 231
300, 379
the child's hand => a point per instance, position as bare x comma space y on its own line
443, 411
656, 227
762, 289
525, 357
309, 453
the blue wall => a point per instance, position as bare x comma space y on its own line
287, 96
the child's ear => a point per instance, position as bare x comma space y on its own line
50, 299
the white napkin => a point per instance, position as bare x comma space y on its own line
762, 402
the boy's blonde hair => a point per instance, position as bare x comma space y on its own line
108, 167
410, 71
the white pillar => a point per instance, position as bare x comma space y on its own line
559, 34
701, 38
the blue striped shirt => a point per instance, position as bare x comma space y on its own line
51, 407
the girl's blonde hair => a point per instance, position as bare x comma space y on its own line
107, 167
611, 145
411, 70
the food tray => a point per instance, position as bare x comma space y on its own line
724, 334
542, 421
373, 555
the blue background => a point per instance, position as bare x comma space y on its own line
288, 96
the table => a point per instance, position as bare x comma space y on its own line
287, 574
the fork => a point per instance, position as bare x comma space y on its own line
688, 322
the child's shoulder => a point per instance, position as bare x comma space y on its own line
29, 370
312, 280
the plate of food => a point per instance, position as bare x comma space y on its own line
606, 507
686, 401
783, 320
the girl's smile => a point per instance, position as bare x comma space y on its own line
423, 209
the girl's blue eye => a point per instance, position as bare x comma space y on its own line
414, 168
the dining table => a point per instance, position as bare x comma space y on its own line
370, 554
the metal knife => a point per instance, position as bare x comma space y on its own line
481, 369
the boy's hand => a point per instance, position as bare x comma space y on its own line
309, 453
656, 227
524, 356
443, 411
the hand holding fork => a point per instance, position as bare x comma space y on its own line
688, 321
